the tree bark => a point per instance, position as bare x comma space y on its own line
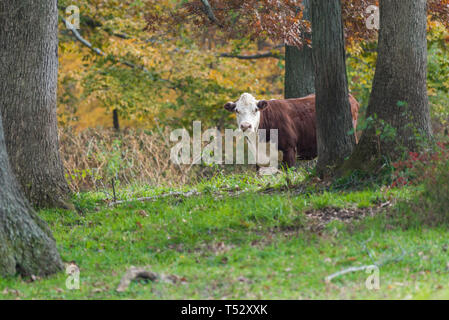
333, 111
28, 82
399, 104
299, 71
26, 244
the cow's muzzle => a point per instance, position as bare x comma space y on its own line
245, 126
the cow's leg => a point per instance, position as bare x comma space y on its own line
289, 158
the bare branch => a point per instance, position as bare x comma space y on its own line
84, 41
99, 52
253, 56
268, 54
210, 13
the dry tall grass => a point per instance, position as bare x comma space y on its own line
94, 157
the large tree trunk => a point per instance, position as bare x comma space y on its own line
28, 82
26, 244
398, 103
299, 70
333, 111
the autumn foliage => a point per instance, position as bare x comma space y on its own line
279, 20
418, 167
182, 50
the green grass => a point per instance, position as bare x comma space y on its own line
253, 246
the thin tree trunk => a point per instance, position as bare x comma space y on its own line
299, 70
26, 244
398, 103
115, 120
28, 81
333, 111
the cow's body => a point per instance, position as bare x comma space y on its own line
295, 120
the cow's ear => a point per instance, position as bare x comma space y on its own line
262, 104
230, 106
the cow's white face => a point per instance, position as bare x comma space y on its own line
247, 109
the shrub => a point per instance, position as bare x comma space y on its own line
431, 205
418, 166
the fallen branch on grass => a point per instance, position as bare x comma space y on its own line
329, 278
174, 194
192, 193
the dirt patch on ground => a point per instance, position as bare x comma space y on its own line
315, 222
321, 217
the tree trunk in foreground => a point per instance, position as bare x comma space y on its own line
299, 71
399, 104
28, 82
333, 111
26, 244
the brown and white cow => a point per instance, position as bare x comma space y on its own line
295, 120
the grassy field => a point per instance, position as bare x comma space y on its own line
242, 238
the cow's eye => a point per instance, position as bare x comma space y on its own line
236, 111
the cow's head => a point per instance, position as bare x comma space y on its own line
247, 109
